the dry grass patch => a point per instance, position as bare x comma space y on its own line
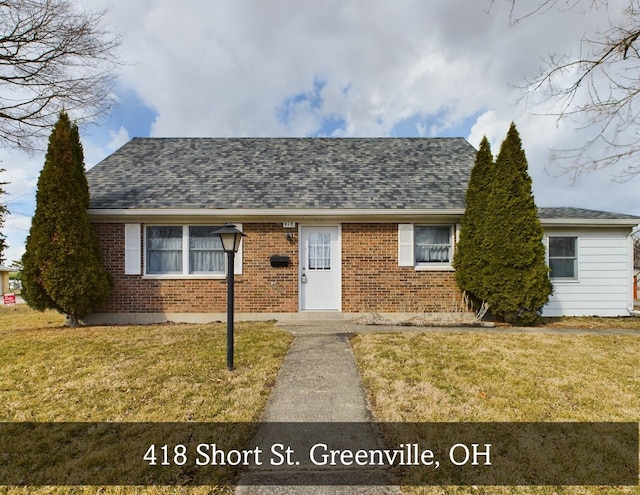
487, 377
132, 374
592, 323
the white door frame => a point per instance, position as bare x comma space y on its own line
337, 264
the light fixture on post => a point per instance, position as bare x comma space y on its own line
230, 237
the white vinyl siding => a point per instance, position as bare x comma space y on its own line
603, 281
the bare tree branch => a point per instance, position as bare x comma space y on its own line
52, 57
597, 90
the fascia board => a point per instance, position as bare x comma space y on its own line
258, 215
589, 222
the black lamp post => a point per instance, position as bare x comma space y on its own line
230, 237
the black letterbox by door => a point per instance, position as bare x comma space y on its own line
277, 260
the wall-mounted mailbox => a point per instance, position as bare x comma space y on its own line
277, 260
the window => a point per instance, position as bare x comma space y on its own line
432, 245
183, 250
164, 250
563, 258
205, 251
320, 251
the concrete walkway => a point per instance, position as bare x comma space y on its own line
318, 383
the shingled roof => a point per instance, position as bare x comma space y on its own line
279, 173
581, 214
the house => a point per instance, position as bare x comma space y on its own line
5, 271
335, 227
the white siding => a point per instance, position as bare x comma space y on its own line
605, 275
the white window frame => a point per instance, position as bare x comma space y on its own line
406, 247
576, 264
185, 257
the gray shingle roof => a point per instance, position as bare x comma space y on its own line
581, 214
254, 173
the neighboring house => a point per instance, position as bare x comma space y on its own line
5, 271
335, 227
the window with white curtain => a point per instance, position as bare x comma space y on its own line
183, 250
432, 244
164, 250
319, 251
205, 251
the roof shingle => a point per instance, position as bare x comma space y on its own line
277, 173
581, 214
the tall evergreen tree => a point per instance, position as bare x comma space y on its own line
63, 269
516, 278
470, 260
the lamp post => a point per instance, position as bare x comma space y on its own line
230, 237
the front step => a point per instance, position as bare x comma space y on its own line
313, 318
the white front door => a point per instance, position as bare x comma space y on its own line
320, 270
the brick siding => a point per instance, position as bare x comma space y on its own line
372, 281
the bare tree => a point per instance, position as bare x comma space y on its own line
596, 88
53, 57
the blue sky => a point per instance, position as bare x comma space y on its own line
335, 68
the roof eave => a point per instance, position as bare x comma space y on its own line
264, 215
590, 222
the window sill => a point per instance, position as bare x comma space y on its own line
177, 276
436, 267
559, 280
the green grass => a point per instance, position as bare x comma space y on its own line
164, 373
495, 377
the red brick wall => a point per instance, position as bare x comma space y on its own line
372, 281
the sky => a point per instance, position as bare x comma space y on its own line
337, 68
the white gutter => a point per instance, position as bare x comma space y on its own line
588, 222
264, 214
129, 214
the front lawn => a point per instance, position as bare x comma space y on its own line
163, 373
591, 323
496, 377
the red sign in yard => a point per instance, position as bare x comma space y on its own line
9, 299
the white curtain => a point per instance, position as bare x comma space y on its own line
320, 251
205, 250
164, 249
432, 244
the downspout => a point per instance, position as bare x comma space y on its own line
632, 309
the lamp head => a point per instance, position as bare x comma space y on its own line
230, 237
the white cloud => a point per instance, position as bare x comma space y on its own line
118, 138
228, 68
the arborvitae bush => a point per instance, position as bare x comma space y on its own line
63, 268
470, 259
515, 279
